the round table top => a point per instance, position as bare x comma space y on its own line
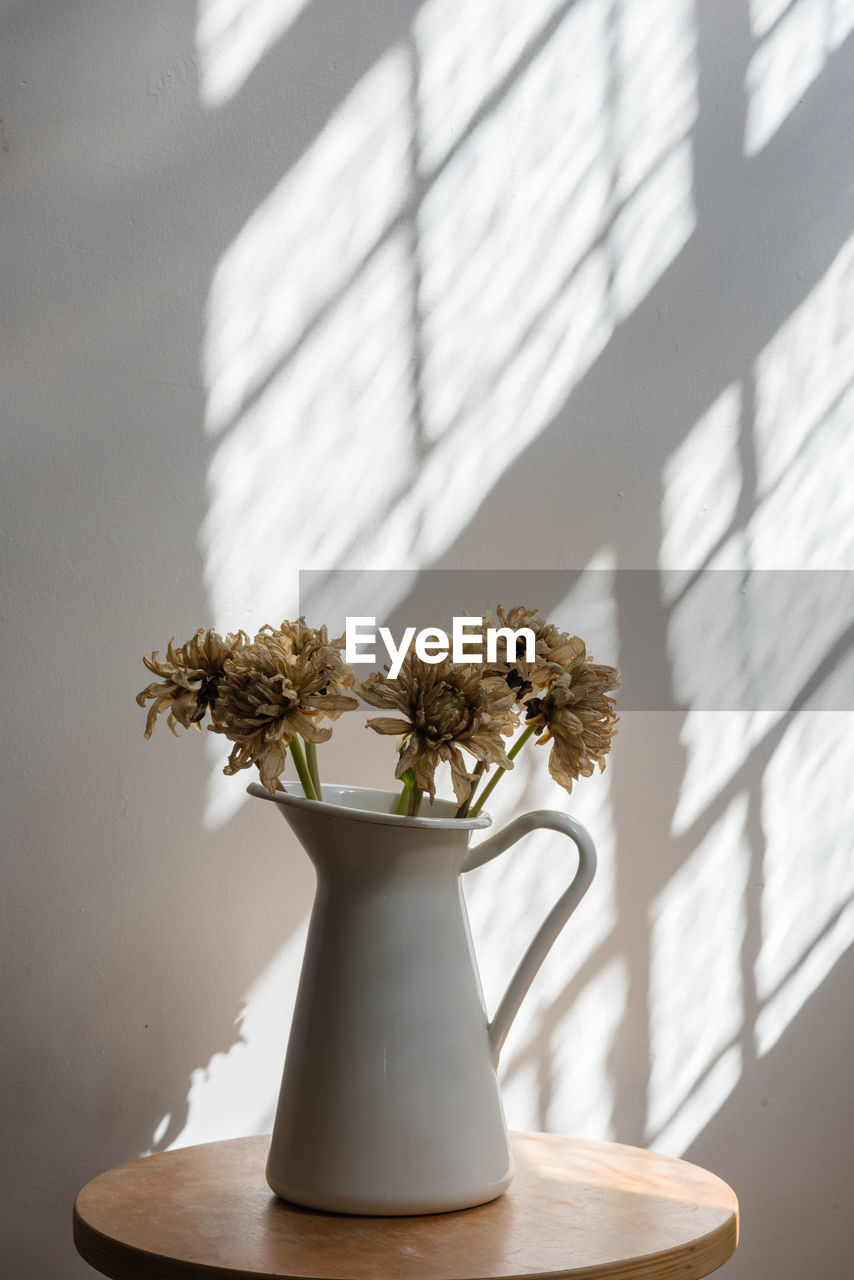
575, 1208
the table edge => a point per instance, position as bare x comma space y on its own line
120, 1260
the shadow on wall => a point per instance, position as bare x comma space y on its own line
544, 289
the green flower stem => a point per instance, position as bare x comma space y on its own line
406, 798
408, 780
409, 800
499, 773
311, 757
302, 768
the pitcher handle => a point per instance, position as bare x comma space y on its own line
546, 935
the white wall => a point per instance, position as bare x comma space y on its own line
444, 285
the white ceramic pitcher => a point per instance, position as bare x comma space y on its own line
390, 1101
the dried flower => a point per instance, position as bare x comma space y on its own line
189, 678
268, 694
280, 685
447, 708
578, 717
554, 651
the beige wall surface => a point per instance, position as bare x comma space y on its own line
408, 286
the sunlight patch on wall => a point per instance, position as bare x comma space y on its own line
798, 38
468, 51
581, 1097
701, 487
306, 361
593, 598
705, 1101
793, 993
219, 1103
717, 744
651, 228
504, 228
805, 521
804, 371
764, 14
232, 37
530, 215
311, 460
305, 246
804, 382
653, 94
696, 998
808, 865
223, 797
546, 225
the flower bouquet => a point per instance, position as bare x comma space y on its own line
269, 696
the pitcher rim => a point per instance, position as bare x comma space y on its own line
294, 798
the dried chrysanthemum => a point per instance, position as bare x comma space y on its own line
188, 678
279, 685
578, 717
446, 708
554, 651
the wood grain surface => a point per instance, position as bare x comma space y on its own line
587, 1210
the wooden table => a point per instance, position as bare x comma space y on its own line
575, 1208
